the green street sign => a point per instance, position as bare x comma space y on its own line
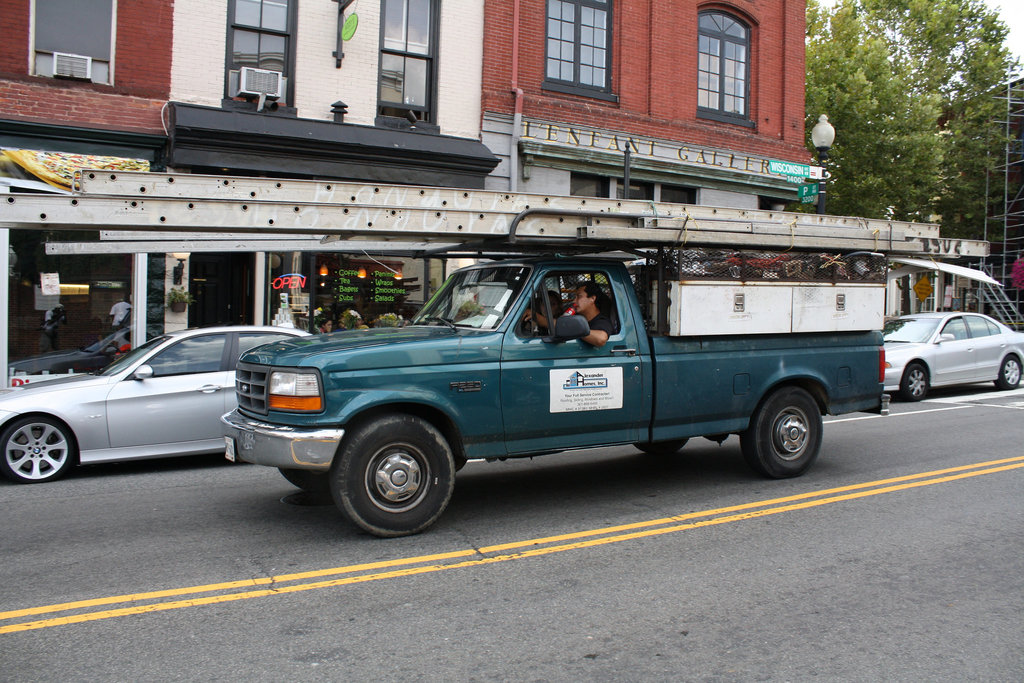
807, 192
789, 168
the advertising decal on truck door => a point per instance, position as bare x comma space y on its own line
577, 390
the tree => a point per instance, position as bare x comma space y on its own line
910, 86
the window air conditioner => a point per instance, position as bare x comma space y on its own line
72, 66
260, 83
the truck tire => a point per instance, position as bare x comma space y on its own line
914, 383
393, 475
784, 435
307, 480
662, 447
1009, 374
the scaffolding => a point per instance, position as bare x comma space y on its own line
1005, 230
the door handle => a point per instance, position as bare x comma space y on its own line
209, 388
624, 350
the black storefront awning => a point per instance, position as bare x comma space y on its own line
208, 139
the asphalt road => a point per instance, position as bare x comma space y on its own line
899, 556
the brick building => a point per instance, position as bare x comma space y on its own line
702, 94
379, 91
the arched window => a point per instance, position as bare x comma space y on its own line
723, 45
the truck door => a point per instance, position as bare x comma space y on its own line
571, 394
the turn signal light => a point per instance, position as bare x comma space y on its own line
278, 402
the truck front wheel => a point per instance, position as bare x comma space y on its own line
784, 436
393, 476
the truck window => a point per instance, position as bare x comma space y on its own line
477, 297
559, 288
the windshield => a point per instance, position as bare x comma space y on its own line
479, 298
122, 362
911, 330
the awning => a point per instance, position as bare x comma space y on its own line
916, 264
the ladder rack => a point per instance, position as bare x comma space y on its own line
170, 202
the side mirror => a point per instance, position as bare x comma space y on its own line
945, 337
143, 372
570, 327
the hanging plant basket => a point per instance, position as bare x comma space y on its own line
178, 298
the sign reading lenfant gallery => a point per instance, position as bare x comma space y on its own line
605, 141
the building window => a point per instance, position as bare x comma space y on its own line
260, 37
408, 47
73, 39
585, 185
578, 53
723, 45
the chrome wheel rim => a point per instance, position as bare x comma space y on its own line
36, 451
1011, 372
791, 433
916, 383
396, 478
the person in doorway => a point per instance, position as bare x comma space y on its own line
592, 303
120, 314
48, 331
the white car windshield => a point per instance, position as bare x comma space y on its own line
910, 330
479, 298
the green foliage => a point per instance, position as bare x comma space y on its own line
176, 295
910, 86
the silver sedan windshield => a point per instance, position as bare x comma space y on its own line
910, 330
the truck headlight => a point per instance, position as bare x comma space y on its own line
294, 391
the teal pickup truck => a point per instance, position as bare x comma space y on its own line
383, 418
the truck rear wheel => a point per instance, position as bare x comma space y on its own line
784, 436
393, 476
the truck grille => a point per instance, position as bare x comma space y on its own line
251, 387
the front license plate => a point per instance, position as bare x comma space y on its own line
229, 448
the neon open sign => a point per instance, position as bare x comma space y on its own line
290, 281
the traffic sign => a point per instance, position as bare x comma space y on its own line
807, 192
794, 170
923, 288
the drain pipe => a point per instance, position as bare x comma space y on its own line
517, 115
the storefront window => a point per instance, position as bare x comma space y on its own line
323, 292
66, 312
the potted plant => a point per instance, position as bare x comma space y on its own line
178, 298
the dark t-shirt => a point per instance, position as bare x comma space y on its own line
603, 323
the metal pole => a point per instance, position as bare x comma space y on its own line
625, 171
822, 157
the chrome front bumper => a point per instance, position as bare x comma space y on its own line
262, 443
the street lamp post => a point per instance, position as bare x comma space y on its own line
822, 136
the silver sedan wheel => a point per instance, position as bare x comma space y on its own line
36, 450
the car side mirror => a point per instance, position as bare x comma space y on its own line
945, 337
570, 327
143, 372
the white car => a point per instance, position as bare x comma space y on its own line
927, 350
163, 398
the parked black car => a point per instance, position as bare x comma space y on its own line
86, 359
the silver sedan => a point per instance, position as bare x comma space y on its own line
163, 398
927, 350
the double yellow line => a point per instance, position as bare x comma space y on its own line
156, 601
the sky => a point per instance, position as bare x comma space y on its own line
1012, 14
